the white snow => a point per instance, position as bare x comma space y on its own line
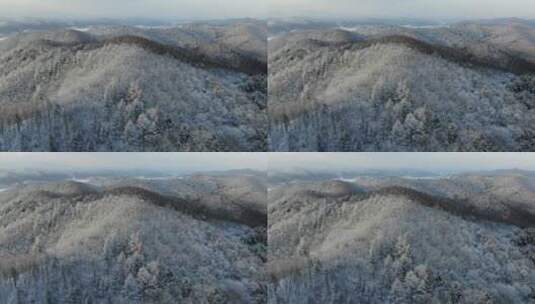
78, 180
160, 178
349, 29
425, 177
81, 29
426, 26
155, 26
349, 180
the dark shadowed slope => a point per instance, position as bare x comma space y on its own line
509, 63
197, 208
193, 57
512, 215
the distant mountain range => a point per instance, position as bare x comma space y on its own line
285, 25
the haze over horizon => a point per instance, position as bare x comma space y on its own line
147, 9
419, 9
432, 162
166, 162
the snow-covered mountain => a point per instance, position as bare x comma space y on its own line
190, 87
461, 87
198, 239
469, 238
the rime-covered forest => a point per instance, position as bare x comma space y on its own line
190, 239
460, 87
191, 87
465, 238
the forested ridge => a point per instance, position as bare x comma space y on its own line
193, 57
77, 91
71, 242
392, 89
397, 240
463, 56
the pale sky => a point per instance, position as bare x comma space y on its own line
129, 161
222, 9
426, 9
386, 161
153, 9
190, 162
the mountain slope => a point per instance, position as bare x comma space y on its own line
397, 93
73, 243
73, 91
393, 246
503, 193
